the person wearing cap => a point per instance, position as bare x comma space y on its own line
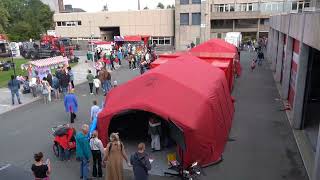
71, 105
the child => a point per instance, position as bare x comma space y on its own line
115, 84
97, 84
253, 64
94, 110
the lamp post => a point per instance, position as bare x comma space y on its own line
13, 64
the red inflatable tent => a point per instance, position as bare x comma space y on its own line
222, 61
215, 46
178, 91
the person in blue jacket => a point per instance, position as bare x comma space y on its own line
71, 105
14, 86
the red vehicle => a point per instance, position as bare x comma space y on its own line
64, 45
49, 46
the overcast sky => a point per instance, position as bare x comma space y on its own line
115, 5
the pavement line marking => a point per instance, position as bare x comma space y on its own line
4, 105
5, 167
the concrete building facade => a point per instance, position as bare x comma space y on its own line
199, 20
159, 24
294, 53
55, 5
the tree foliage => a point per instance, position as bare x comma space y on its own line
160, 5
26, 19
145, 8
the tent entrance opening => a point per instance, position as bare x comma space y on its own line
107, 33
133, 128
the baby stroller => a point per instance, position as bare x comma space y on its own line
64, 140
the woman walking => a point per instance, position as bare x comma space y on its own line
114, 155
71, 105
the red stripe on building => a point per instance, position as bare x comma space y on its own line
294, 66
291, 96
296, 46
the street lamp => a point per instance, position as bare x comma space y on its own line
13, 64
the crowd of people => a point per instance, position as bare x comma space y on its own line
138, 57
50, 85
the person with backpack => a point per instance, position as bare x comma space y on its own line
140, 163
14, 86
113, 158
97, 151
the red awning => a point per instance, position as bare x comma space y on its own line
132, 38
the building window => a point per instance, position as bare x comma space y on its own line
69, 23
161, 40
184, 1
231, 7
196, 18
196, 1
184, 18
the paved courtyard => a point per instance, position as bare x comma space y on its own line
262, 145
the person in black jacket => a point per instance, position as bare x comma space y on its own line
64, 82
140, 163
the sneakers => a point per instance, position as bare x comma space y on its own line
91, 93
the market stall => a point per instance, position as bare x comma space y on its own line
39, 68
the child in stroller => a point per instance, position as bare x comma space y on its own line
64, 141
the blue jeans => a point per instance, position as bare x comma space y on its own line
12, 96
107, 86
64, 91
64, 154
84, 168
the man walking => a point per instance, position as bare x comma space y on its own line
14, 86
105, 79
140, 162
83, 151
64, 82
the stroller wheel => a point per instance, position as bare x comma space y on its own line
55, 148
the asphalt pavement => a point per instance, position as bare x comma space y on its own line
261, 146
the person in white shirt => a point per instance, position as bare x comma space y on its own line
97, 149
95, 109
97, 84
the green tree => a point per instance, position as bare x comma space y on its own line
145, 8
169, 6
27, 19
160, 5
4, 17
